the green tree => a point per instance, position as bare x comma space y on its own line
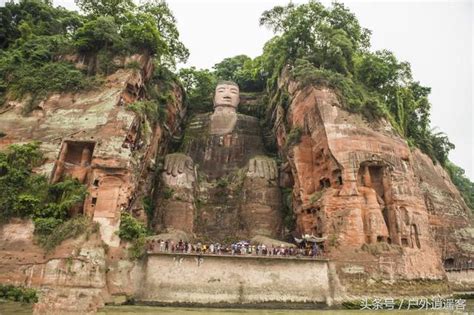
37, 17
247, 73
141, 32
165, 22
199, 86
327, 37
228, 68
97, 34
465, 186
381, 70
111, 8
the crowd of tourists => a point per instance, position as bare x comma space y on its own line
239, 248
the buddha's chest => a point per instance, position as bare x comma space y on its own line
220, 154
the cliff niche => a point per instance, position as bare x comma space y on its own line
222, 185
102, 139
107, 152
358, 185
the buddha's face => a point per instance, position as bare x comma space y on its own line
227, 95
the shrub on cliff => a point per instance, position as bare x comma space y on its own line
18, 294
35, 37
199, 86
52, 232
327, 46
133, 231
130, 228
28, 195
294, 137
150, 110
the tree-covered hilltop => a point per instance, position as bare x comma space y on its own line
320, 45
327, 46
36, 38
39, 46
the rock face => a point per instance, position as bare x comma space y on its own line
221, 185
95, 137
360, 186
386, 212
231, 151
449, 217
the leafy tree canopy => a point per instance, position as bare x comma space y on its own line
26, 194
112, 8
35, 36
327, 45
199, 86
34, 18
247, 73
150, 26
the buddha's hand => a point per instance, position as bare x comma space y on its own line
177, 163
264, 167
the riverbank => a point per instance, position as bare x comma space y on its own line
8, 307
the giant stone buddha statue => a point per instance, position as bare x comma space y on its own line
221, 185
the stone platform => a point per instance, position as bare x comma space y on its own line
216, 279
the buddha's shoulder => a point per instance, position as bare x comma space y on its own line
202, 118
199, 119
247, 118
247, 124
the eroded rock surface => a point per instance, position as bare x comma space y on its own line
95, 137
221, 185
386, 212
359, 185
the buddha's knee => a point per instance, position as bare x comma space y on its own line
261, 202
176, 198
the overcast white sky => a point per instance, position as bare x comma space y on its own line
436, 37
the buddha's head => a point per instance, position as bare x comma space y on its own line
226, 97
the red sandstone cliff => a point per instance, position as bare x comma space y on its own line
95, 137
385, 210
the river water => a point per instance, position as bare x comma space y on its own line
26, 309
148, 310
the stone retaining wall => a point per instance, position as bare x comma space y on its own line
178, 278
461, 280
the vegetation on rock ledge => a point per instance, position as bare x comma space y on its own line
18, 294
133, 231
335, 52
37, 40
25, 194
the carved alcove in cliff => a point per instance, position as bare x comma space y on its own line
105, 193
408, 229
373, 179
133, 138
74, 160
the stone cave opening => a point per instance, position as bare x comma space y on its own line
79, 152
74, 160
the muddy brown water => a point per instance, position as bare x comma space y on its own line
7, 307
